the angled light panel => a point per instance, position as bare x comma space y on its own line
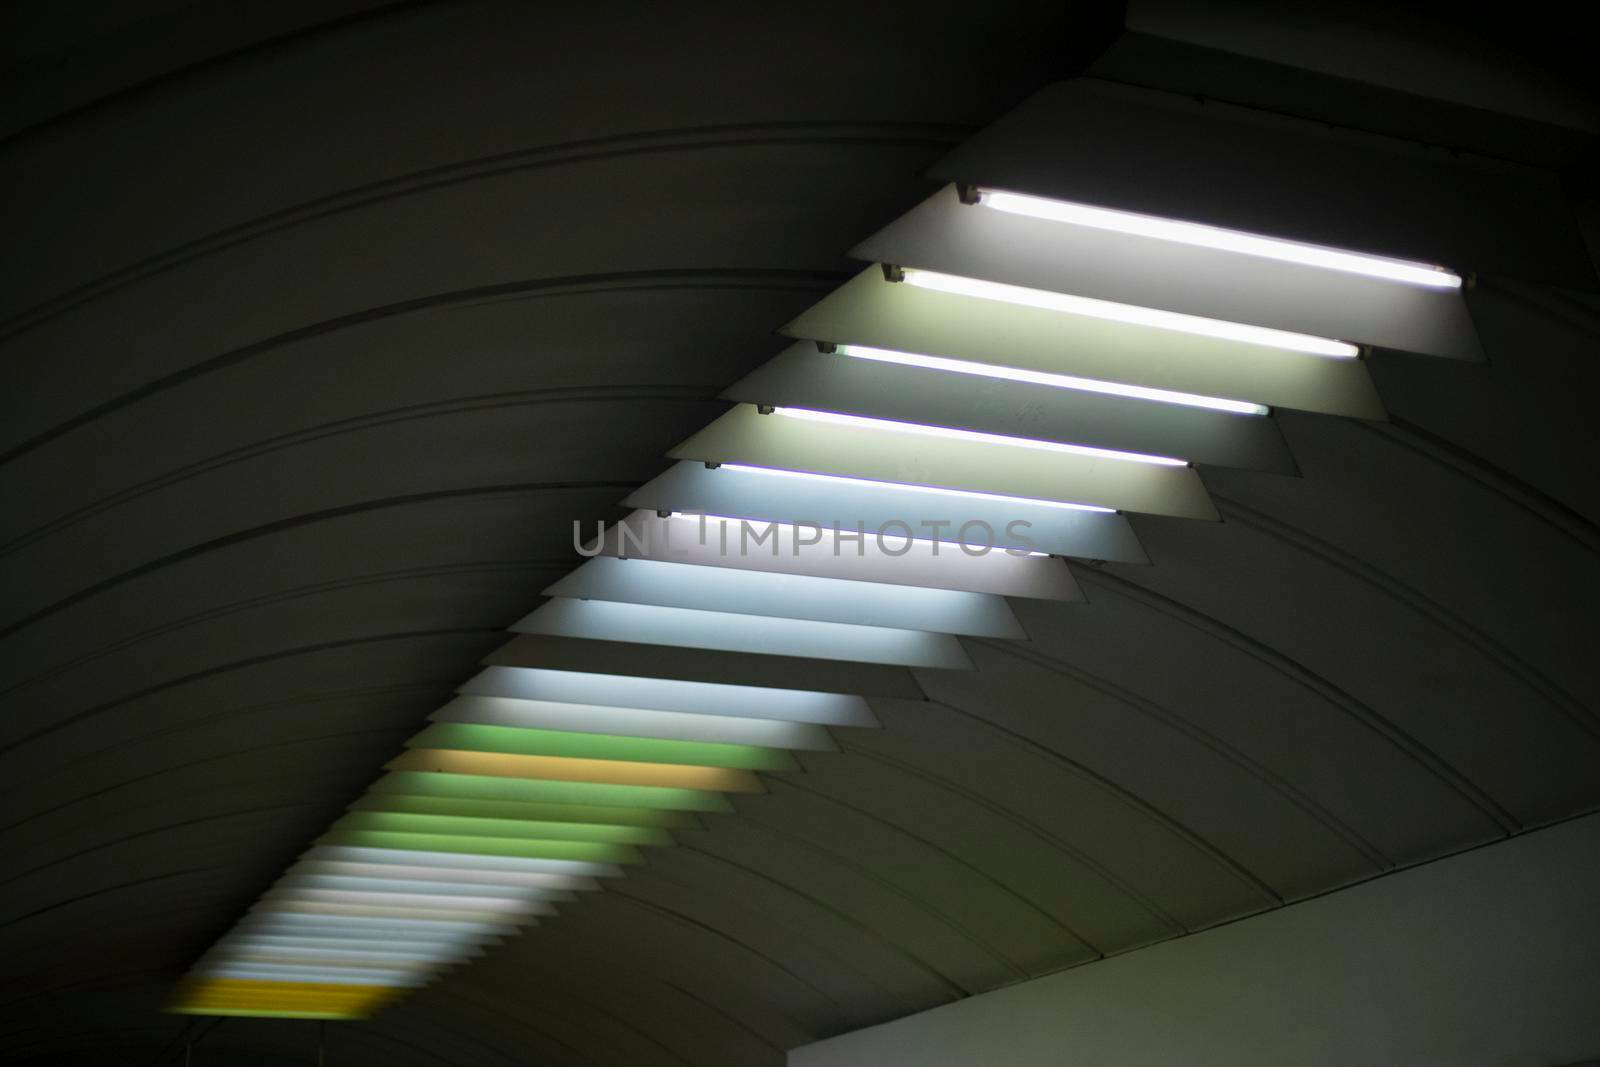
1128, 265
795, 596
761, 634
780, 548
667, 694
903, 317
794, 500
1008, 401
896, 454
627, 722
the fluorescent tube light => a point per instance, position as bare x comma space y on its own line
1215, 237
639, 722
839, 479
951, 433
332, 975
1130, 314
1057, 381
296, 878
432, 901
789, 529
469, 879
668, 694
458, 861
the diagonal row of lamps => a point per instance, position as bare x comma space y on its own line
947, 426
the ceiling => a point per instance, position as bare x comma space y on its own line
330, 319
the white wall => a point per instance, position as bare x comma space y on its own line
1491, 957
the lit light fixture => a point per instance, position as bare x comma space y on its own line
839, 479
1215, 237
1130, 314
951, 433
1057, 381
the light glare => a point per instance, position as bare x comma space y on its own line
1215, 237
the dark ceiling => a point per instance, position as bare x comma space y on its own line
321, 324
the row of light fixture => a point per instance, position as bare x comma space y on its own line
931, 445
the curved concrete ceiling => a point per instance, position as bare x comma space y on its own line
324, 332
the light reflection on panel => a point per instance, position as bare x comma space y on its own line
652, 624
794, 596
666, 694
635, 722
779, 549
870, 311
848, 504
886, 454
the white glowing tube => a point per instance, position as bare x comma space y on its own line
1058, 381
1130, 314
839, 479
1215, 237
975, 436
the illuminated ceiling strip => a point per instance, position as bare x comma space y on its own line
423, 858
270, 905
839, 479
365, 898
288, 924
240, 956
1215, 237
296, 878
666, 583
835, 418
888, 559
1129, 314
486, 846
654, 624
451, 761
468, 876
352, 946
471, 826
506, 809
670, 694
504, 790
630, 722
690, 487
521, 741
328, 975
1056, 381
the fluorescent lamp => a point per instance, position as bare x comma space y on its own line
333, 975
425, 858
1057, 381
670, 694
789, 528
270, 905
469, 880
951, 433
390, 886
637, 722
472, 826
315, 925
839, 479
433, 901
654, 624
1130, 314
570, 769
416, 950
1215, 237
522, 741
566, 794
249, 957
794, 596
